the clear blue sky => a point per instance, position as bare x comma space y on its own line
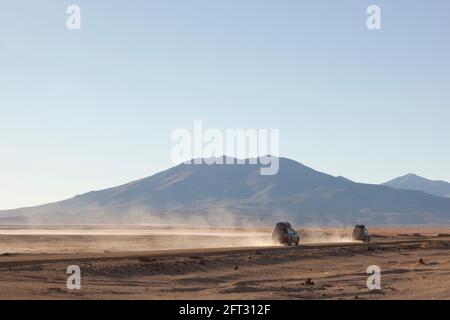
90, 109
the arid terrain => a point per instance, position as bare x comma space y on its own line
222, 263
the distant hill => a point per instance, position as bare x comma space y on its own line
415, 182
239, 195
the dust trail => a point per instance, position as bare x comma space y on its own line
115, 239
72, 239
326, 235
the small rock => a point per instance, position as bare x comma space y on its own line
147, 259
236, 267
309, 282
421, 261
390, 288
6, 254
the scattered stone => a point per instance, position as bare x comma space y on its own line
6, 254
56, 290
236, 267
258, 252
443, 235
309, 282
147, 259
196, 257
421, 261
390, 288
202, 262
376, 291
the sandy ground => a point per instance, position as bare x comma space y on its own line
155, 263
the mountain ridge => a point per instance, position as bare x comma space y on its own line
412, 181
226, 194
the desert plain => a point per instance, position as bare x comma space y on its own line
160, 262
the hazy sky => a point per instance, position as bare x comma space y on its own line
94, 108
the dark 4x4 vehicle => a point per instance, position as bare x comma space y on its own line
284, 234
360, 233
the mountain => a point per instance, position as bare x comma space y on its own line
415, 182
344, 178
231, 194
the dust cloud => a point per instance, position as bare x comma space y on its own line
120, 239
327, 235
137, 229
